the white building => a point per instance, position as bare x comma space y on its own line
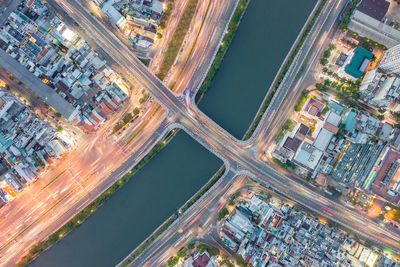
390, 62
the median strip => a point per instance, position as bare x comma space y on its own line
29, 226
177, 39
88, 210
52, 181
144, 124
193, 46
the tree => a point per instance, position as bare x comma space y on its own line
127, 118
159, 35
380, 117
191, 245
327, 54
136, 111
213, 251
321, 87
240, 261
323, 61
173, 261
223, 213
182, 253
331, 47
162, 25
381, 110
201, 248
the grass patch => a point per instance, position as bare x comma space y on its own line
177, 39
288, 126
145, 61
284, 71
125, 120
286, 165
301, 101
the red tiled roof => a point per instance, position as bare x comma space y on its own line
332, 128
292, 143
314, 107
201, 261
379, 188
303, 129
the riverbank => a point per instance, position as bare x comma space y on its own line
78, 219
270, 94
132, 256
226, 41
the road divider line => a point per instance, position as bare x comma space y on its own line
52, 181
144, 125
30, 225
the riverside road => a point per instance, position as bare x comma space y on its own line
239, 157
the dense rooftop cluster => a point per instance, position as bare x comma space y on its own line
267, 235
138, 19
38, 39
27, 146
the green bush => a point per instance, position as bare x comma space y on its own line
346, 17
201, 248
222, 214
232, 27
177, 39
302, 100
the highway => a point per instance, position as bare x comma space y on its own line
239, 157
83, 174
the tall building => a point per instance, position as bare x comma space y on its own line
368, 21
390, 62
358, 164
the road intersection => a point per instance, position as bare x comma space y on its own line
239, 157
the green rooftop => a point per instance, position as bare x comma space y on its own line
335, 106
350, 122
358, 63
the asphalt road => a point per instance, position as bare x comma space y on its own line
86, 172
239, 157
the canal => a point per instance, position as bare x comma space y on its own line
137, 209
264, 37
179, 170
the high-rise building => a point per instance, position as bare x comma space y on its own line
358, 164
390, 62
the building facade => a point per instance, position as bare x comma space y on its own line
390, 62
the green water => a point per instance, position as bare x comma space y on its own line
265, 36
